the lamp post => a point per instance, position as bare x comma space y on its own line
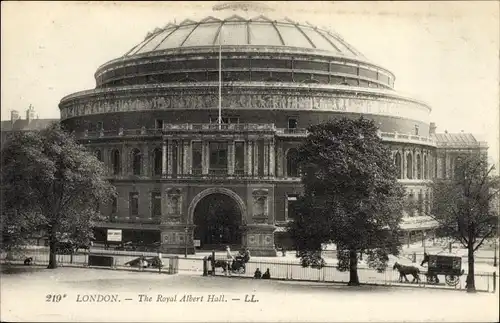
185, 241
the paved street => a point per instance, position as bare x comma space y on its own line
24, 298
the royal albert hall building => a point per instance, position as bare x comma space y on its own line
152, 120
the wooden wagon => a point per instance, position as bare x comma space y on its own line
449, 266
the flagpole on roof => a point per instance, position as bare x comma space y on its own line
220, 80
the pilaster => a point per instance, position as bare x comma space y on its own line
271, 158
249, 153
187, 157
230, 158
256, 158
169, 159
164, 159
266, 158
205, 157
279, 160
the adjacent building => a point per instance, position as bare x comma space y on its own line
16, 123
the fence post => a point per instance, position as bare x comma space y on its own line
449, 247
494, 281
205, 266
213, 263
495, 256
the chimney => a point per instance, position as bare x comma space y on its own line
30, 114
432, 128
14, 116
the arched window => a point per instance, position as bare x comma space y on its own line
426, 168
157, 162
115, 161
419, 167
136, 161
292, 169
409, 166
98, 155
397, 162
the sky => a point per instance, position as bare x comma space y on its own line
444, 53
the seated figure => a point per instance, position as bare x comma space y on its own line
267, 274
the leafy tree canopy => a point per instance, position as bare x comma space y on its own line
50, 183
351, 193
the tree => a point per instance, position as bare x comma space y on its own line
50, 183
351, 196
462, 206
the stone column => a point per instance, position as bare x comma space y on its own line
164, 159
256, 158
403, 162
145, 161
205, 158
279, 160
124, 160
180, 157
106, 158
230, 158
415, 166
266, 158
271, 158
187, 157
169, 159
249, 152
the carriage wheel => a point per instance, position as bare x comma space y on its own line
431, 279
452, 280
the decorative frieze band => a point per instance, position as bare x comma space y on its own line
338, 103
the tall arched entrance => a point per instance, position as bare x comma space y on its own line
217, 220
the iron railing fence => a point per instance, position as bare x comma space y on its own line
40, 256
485, 282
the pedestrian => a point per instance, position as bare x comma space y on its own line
160, 262
257, 274
229, 258
246, 255
267, 274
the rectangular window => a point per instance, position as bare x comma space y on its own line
133, 201
197, 157
218, 157
239, 157
291, 206
99, 126
292, 123
155, 205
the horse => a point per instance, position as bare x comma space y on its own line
237, 265
407, 270
218, 263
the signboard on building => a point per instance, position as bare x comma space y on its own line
114, 235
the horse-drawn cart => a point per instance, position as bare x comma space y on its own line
449, 266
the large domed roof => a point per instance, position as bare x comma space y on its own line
239, 31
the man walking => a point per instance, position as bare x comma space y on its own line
229, 259
160, 262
